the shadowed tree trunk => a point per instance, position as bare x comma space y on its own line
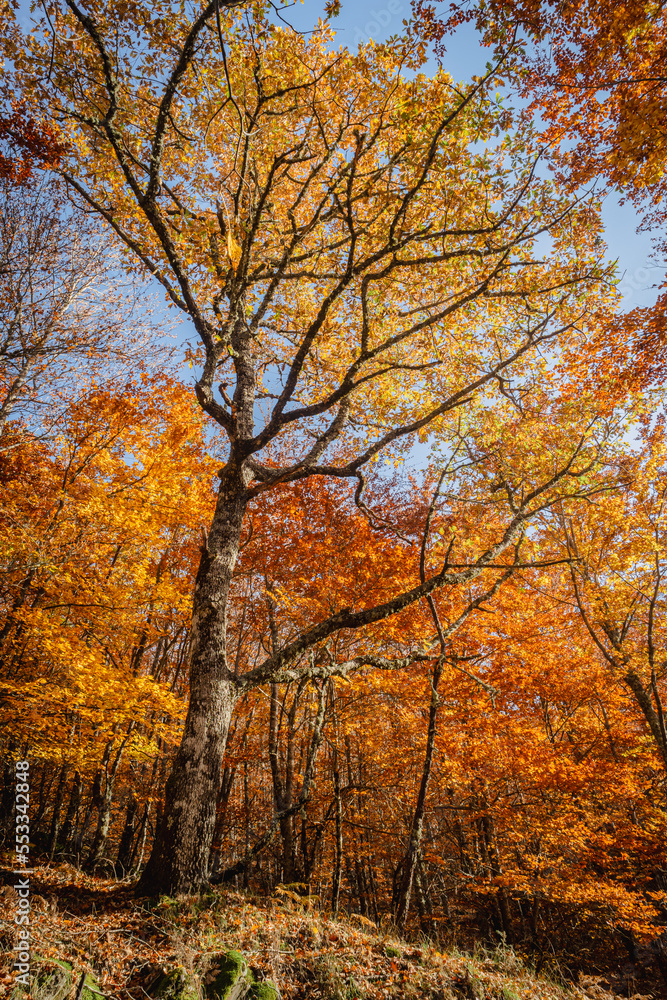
283, 786
127, 837
105, 798
8, 796
55, 819
338, 800
412, 854
72, 811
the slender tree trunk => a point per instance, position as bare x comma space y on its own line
72, 811
414, 843
228, 776
338, 864
424, 903
127, 837
8, 796
55, 819
492, 858
246, 811
100, 790
105, 800
140, 842
180, 856
338, 798
412, 853
44, 799
356, 868
94, 803
283, 790
370, 880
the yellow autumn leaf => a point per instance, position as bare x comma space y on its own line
234, 250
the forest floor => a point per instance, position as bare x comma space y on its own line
98, 926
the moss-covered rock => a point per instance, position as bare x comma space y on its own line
264, 991
392, 952
227, 977
54, 978
49, 980
176, 984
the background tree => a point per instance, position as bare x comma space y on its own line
62, 313
100, 532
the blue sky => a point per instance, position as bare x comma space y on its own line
360, 20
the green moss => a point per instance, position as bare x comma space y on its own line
91, 988
227, 977
392, 952
264, 991
49, 980
54, 978
176, 984
53, 983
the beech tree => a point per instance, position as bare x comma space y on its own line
360, 252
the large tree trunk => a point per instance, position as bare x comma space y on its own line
180, 855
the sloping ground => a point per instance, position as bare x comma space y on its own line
98, 927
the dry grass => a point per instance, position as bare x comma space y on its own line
97, 925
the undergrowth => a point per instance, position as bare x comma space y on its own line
98, 926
